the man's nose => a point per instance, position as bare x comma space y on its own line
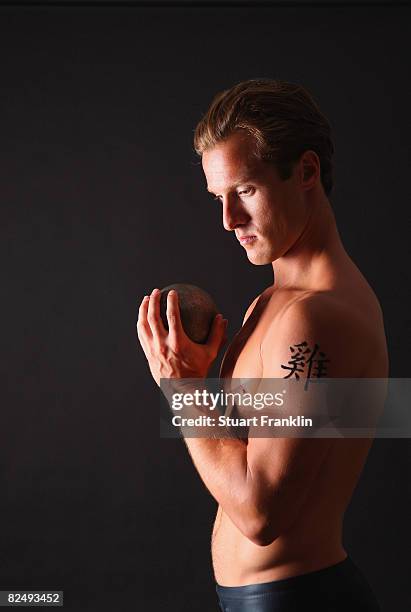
234, 214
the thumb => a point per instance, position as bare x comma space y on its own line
217, 332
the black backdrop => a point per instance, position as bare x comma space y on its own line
102, 199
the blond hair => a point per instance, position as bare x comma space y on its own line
282, 117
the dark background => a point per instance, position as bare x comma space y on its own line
102, 199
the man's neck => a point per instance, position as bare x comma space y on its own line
310, 263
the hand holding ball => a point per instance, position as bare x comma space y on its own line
189, 347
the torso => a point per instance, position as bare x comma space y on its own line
315, 541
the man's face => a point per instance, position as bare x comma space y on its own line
266, 213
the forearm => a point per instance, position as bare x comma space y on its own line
222, 465
220, 462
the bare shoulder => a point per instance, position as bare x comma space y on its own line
323, 307
323, 324
331, 311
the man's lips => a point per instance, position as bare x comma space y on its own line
247, 239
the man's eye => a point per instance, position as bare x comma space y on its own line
247, 191
217, 198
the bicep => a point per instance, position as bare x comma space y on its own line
283, 465
303, 349
279, 465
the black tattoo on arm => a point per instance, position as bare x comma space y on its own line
304, 360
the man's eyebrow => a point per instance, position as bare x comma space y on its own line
245, 179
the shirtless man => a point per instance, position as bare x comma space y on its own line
277, 539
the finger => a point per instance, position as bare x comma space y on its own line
143, 328
153, 317
175, 327
216, 336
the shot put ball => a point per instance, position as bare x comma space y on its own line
197, 310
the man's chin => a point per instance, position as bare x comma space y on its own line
258, 259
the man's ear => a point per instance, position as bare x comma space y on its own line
311, 169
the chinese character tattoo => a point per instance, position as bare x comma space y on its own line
303, 359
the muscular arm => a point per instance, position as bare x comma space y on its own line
222, 465
262, 486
